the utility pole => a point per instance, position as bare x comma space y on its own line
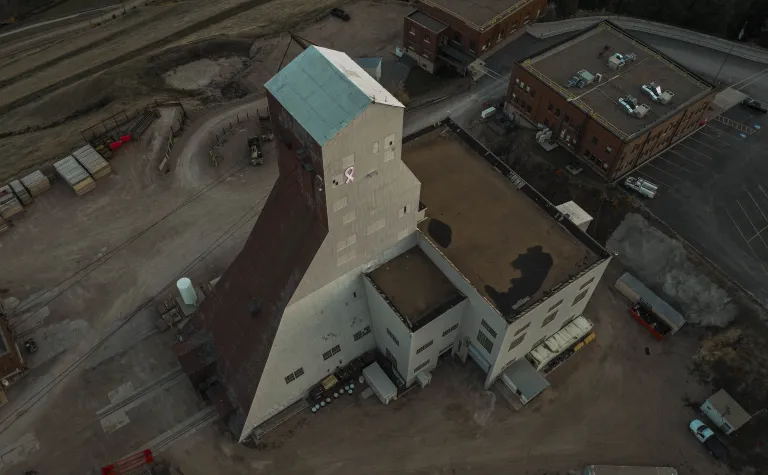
728, 55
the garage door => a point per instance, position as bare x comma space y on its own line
479, 358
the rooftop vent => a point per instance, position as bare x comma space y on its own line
654, 91
629, 103
617, 61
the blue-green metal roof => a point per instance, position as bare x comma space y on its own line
318, 95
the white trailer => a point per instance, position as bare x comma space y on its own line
380, 383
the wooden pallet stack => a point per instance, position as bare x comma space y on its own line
21, 193
36, 183
9, 205
89, 158
75, 175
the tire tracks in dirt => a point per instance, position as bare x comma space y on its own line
186, 31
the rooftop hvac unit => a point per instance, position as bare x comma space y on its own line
629, 103
581, 79
654, 91
617, 60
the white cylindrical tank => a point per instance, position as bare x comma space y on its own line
187, 291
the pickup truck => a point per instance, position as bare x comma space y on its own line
705, 435
644, 187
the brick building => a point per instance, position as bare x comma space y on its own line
611, 99
457, 32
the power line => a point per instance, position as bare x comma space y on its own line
42, 392
113, 252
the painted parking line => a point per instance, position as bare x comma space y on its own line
675, 165
696, 151
704, 144
724, 129
757, 259
732, 137
688, 159
757, 233
665, 172
720, 139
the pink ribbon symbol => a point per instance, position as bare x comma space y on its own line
349, 174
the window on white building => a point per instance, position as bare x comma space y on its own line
425, 346
293, 376
393, 337
349, 217
375, 226
586, 283
404, 210
375, 147
340, 204
522, 329
580, 297
555, 305
389, 155
549, 319
389, 142
485, 341
328, 354
348, 161
453, 327
516, 342
421, 366
488, 327
362, 333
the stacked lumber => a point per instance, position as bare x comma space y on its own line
21, 193
36, 183
9, 205
89, 158
75, 175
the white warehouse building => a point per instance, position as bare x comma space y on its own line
368, 243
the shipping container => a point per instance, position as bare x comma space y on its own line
9, 204
75, 175
93, 162
21, 193
36, 183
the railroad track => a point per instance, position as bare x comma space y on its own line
157, 384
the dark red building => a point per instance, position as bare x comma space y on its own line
457, 32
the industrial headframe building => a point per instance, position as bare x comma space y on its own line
368, 244
612, 100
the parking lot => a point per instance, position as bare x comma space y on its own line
713, 192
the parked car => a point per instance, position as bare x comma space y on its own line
705, 435
339, 13
754, 105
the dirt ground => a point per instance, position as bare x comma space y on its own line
610, 404
65, 83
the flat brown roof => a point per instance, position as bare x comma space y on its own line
478, 13
415, 287
427, 21
505, 244
601, 100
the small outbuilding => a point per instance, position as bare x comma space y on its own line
725, 412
